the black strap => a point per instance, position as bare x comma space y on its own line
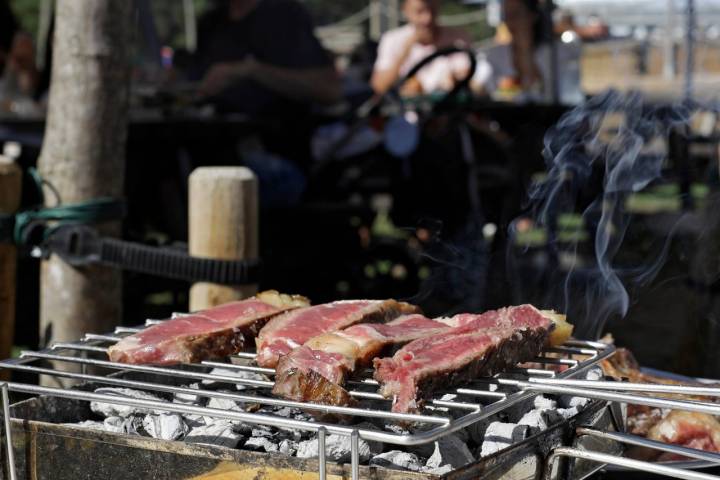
81, 245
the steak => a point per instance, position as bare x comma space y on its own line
292, 329
480, 345
317, 371
212, 333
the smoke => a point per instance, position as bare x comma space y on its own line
597, 155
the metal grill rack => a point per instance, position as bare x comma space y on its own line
442, 416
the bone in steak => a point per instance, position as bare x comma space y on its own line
212, 333
292, 329
481, 345
317, 370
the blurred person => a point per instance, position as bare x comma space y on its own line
261, 56
402, 48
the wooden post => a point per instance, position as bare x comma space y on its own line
223, 220
10, 186
83, 155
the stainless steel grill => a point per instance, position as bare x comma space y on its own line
442, 416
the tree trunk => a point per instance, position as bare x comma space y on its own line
83, 154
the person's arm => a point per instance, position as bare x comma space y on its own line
315, 84
387, 70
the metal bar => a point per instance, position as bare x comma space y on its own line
631, 387
148, 369
355, 454
655, 445
686, 405
321, 453
77, 346
8, 431
361, 412
623, 462
104, 338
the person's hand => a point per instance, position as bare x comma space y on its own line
222, 75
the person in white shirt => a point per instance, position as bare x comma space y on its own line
402, 48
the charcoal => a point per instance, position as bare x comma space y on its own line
288, 447
567, 413
194, 421
260, 444
224, 404
544, 403
500, 435
220, 433
398, 460
337, 448
188, 398
540, 419
262, 431
114, 410
291, 434
449, 450
166, 426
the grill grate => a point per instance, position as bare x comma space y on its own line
442, 415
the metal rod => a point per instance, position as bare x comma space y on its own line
644, 442
321, 453
623, 462
8, 431
355, 454
233, 396
631, 387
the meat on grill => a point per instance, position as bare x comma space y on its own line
317, 370
481, 345
292, 329
687, 429
212, 333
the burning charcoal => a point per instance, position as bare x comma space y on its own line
262, 431
501, 435
194, 421
128, 425
595, 373
224, 404
114, 410
188, 398
539, 419
566, 401
398, 460
337, 448
544, 403
259, 444
567, 413
290, 434
288, 447
220, 433
166, 426
449, 451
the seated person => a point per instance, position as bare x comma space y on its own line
402, 48
261, 56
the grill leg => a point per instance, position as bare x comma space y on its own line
355, 453
321, 453
8, 433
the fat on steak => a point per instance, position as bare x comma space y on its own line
212, 333
292, 329
317, 371
480, 345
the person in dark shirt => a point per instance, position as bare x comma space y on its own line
261, 56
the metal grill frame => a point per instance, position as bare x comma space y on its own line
527, 383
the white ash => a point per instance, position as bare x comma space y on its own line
397, 459
540, 419
288, 447
189, 398
224, 404
116, 410
221, 433
261, 444
501, 435
127, 425
449, 451
166, 426
337, 448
